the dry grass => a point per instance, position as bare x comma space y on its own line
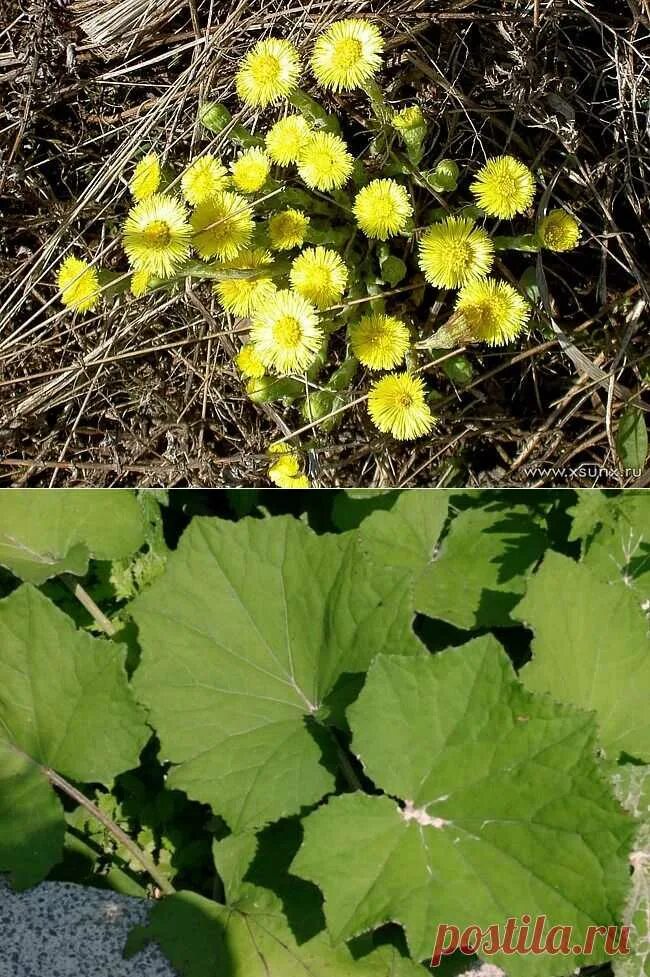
146, 393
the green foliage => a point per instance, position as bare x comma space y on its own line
490, 776
591, 648
632, 439
65, 705
44, 533
321, 742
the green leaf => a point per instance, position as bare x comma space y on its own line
632, 787
632, 438
481, 569
591, 648
504, 810
251, 938
407, 534
351, 506
44, 532
243, 638
615, 538
393, 270
65, 705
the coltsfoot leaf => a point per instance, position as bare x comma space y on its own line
65, 704
591, 648
494, 806
243, 638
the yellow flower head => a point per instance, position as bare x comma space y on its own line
324, 162
410, 117
286, 470
146, 177
157, 235
397, 406
347, 55
319, 275
493, 311
242, 295
382, 209
455, 252
559, 231
223, 226
250, 170
249, 363
78, 284
287, 229
504, 187
139, 282
379, 341
285, 333
203, 178
269, 72
284, 140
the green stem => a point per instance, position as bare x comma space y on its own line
58, 781
84, 598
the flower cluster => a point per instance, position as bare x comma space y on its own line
321, 246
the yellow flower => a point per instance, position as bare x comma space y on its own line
203, 178
223, 226
287, 229
242, 295
146, 177
397, 406
455, 252
319, 275
382, 209
324, 162
157, 235
347, 55
409, 118
249, 363
250, 170
504, 187
285, 333
79, 284
139, 282
493, 311
379, 341
269, 71
559, 231
284, 140
286, 471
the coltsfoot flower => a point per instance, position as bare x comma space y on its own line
269, 72
559, 231
242, 296
285, 140
285, 333
248, 362
324, 162
319, 274
250, 170
203, 178
492, 312
157, 235
286, 470
382, 209
146, 177
223, 226
79, 284
397, 406
455, 252
504, 187
347, 55
139, 282
379, 341
287, 229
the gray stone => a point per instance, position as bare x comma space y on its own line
58, 929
